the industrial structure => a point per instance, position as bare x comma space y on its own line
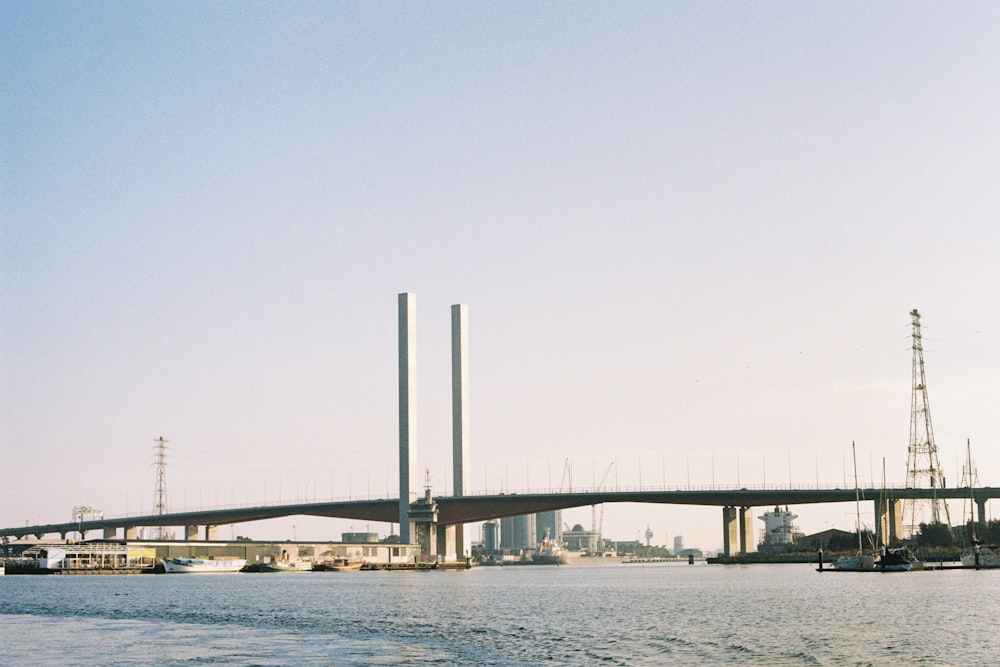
160, 507
923, 469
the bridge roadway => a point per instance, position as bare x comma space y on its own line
470, 509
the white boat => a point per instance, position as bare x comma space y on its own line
201, 565
287, 566
981, 556
859, 562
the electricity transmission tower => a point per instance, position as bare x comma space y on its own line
160, 497
923, 469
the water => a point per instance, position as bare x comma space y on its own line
613, 614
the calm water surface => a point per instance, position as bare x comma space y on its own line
616, 614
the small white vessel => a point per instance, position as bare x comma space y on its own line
981, 556
287, 566
861, 561
200, 565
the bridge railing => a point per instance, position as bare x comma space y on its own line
656, 488
354, 497
269, 502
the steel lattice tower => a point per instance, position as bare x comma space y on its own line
923, 469
160, 497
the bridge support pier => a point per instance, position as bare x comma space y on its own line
445, 542
895, 521
461, 550
981, 510
424, 513
729, 531
110, 533
131, 533
881, 522
747, 543
211, 533
190, 533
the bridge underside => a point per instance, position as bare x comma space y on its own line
457, 510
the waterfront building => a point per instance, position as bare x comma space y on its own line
579, 539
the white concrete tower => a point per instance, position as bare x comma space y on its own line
460, 412
408, 484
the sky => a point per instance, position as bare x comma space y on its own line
689, 236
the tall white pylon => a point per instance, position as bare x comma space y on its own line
923, 469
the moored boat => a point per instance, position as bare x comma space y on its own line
897, 560
979, 555
549, 553
859, 562
182, 565
87, 557
982, 556
286, 566
340, 565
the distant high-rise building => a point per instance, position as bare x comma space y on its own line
507, 532
518, 532
491, 541
524, 528
678, 544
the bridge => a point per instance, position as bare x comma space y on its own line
438, 523
449, 511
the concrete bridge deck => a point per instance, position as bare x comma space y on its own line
470, 509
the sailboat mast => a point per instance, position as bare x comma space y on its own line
969, 481
857, 497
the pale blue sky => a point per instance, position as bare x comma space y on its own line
684, 232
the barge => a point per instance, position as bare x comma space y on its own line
88, 557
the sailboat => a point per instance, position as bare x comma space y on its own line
859, 562
899, 559
979, 555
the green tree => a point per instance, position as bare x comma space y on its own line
935, 535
